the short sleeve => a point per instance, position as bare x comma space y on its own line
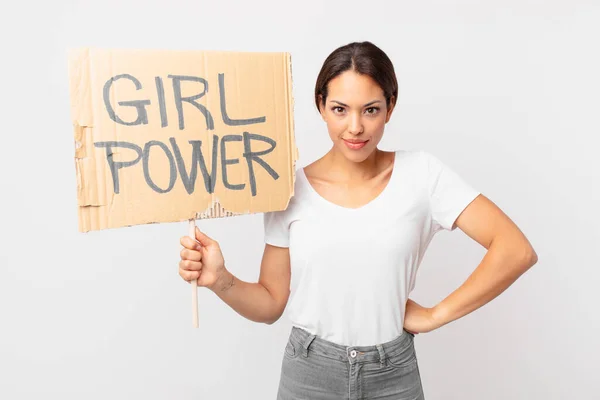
449, 193
277, 231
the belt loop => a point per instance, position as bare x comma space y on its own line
307, 343
381, 355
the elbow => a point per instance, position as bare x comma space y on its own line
267, 319
272, 319
534, 257
274, 315
276, 308
530, 258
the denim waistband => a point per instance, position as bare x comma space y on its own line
308, 342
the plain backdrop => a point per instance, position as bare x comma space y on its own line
505, 92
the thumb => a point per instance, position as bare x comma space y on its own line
203, 238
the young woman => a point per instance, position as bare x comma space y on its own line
350, 242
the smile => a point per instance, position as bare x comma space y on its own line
355, 144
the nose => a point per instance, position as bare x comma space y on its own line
355, 126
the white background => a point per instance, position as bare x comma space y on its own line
505, 92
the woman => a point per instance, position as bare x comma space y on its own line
350, 242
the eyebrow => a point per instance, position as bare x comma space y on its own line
366, 105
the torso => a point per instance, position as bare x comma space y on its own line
355, 251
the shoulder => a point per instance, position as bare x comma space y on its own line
414, 160
416, 165
421, 159
410, 154
435, 165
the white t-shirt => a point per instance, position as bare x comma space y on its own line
352, 269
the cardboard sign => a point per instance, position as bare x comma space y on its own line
165, 136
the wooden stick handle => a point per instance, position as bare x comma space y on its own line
192, 234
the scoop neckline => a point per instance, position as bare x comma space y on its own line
375, 200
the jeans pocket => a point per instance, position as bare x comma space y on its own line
405, 358
291, 350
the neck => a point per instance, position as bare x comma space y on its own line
343, 169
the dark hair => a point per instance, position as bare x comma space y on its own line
364, 58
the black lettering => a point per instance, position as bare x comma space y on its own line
142, 115
160, 90
189, 181
226, 119
255, 156
191, 99
115, 166
225, 161
172, 168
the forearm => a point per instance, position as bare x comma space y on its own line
502, 265
251, 300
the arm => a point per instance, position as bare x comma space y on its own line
265, 300
509, 255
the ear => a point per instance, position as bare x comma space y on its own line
390, 109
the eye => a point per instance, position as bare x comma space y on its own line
337, 109
372, 110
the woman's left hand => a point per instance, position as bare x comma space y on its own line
419, 319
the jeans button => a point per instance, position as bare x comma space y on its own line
353, 353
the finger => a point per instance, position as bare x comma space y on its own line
189, 276
191, 255
189, 243
188, 265
203, 238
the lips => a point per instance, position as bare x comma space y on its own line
355, 144
355, 141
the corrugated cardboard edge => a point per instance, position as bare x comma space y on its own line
79, 85
293, 149
215, 210
83, 123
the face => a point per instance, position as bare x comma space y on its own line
356, 113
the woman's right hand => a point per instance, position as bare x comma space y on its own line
201, 260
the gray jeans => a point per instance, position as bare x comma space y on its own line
316, 369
